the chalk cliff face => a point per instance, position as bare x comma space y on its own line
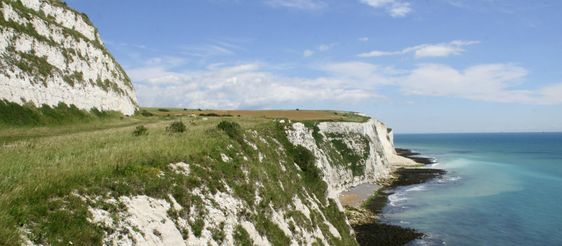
346, 154
51, 54
371, 142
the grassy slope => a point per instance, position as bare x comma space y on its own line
40, 172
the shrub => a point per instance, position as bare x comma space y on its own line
197, 226
163, 110
232, 129
312, 175
241, 236
315, 131
146, 113
350, 157
304, 158
209, 115
176, 127
140, 131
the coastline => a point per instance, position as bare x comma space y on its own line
365, 218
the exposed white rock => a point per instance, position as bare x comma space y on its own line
225, 158
148, 221
382, 156
299, 206
386, 137
78, 64
180, 168
254, 234
253, 145
101, 216
145, 222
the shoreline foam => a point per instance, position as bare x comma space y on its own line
365, 219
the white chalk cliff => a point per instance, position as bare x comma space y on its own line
52, 54
378, 163
148, 221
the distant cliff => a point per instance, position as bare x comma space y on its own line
349, 153
52, 54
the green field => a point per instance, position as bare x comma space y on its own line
43, 166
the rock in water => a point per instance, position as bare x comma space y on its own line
51, 53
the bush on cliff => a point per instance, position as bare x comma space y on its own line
232, 129
140, 131
305, 159
176, 127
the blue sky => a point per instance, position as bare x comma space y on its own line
420, 66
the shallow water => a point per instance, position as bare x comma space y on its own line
501, 189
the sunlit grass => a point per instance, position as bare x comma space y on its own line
42, 167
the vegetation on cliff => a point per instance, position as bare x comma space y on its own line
52, 176
13, 114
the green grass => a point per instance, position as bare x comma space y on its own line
354, 160
315, 130
272, 231
241, 237
15, 115
338, 151
40, 174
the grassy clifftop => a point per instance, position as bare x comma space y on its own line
50, 174
297, 115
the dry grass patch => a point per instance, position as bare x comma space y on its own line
296, 115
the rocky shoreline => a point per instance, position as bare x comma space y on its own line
365, 219
417, 157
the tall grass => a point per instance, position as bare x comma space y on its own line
13, 114
39, 176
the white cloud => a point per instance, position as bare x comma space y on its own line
246, 85
257, 85
214, 48
360, 73
426, 50
298, 4
319, 49
308, 53
395, 8
326, 47
363, 39
485, 82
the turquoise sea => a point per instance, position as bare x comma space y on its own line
501, 189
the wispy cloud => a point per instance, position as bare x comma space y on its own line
212, 49
318, 49
229, 87
308, 53
395, 8
426, 50
484, 82
160, 82
298, 4
363, 39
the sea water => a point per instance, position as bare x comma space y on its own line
500, 189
